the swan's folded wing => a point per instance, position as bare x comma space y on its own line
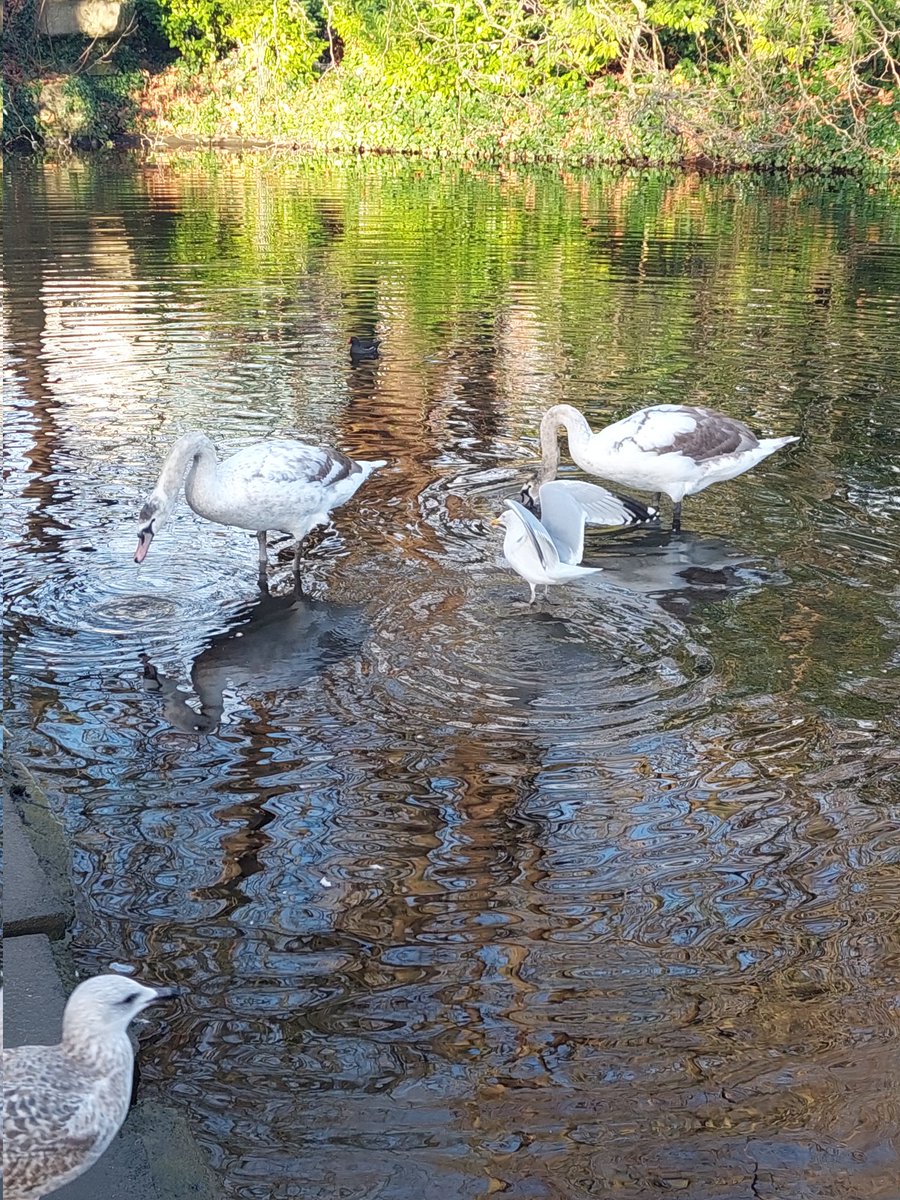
696, 432
536, 536
283, 462
600, 506
563, 517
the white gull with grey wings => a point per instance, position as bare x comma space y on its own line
62, 1105
678, 449
549, 550
280, 485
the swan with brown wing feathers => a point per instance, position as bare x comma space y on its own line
679, 449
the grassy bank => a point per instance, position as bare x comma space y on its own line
828, 102
660, 122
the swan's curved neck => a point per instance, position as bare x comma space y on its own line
575, 425
192, 452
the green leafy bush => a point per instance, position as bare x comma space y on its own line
808, 83
281, 36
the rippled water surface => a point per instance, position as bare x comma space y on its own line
586, 900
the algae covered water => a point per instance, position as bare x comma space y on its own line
587, 900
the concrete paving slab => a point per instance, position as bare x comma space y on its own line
33, 997
31, 904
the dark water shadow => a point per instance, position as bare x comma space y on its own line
682, 571
275, 642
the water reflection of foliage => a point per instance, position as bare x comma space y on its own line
473, 235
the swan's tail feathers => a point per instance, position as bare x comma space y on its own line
370, 465
770, 445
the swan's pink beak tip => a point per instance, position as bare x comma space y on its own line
142, 547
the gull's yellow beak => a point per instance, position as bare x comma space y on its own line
496, 521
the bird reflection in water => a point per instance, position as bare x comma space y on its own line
275, 643
681, 572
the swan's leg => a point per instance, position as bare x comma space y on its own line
263, 552
657, 499
531, 598
676, 517
298, 560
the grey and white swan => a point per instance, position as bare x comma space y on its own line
63, 1105
279, 485
676, 449
549, 551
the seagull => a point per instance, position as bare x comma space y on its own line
64, 1104
679, 449
285, 485
549, 550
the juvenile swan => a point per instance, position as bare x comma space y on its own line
678, 449
549, 550
64, 1104
282, 485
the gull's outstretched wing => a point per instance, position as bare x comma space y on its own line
535, 538
601, 507
563, 516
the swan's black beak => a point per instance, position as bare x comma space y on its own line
145, 537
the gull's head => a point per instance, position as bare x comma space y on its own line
152, 518
106, 1004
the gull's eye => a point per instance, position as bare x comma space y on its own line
130, 998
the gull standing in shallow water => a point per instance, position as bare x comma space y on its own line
549, 550
679, 449
62, 1105
283, 485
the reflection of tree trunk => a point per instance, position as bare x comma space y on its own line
27, 225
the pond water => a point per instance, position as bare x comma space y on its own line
585, 900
